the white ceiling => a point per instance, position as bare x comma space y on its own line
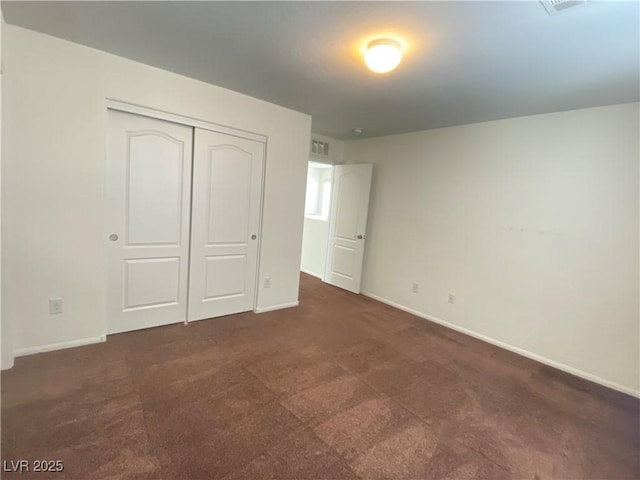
464, 62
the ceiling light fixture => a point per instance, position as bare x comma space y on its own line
383, 55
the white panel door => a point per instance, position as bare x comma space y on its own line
148, 208
225, 223
349, 209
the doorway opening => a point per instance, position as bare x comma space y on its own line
335, 223
317, 208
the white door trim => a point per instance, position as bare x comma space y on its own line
121, 106
327, 266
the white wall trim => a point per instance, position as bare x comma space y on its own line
280, 306
9, 364
20, 352
511, 348
184, 120
313, 274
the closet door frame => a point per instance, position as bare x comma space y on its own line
188, 121
117, 105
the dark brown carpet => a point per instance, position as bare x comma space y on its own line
341, 387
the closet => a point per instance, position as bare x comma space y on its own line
183, 222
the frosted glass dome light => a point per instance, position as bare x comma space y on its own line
383, 55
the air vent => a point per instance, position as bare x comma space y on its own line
554, 6
320, 148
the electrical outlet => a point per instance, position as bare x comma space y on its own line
267, 282
415, 287
55, 306
451, 298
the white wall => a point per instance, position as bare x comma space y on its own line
532, 222
315, 238
6, 343
54, 176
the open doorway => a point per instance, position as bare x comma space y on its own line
335, 215
335, 223
317, 208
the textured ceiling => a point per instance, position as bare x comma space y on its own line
464, 62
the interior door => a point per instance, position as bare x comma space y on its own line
148, 202
348, 225
227, 197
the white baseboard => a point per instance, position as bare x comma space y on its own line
20, 352
271, 308
511, 348
7, 363
313, 274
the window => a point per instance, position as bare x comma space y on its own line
318, 200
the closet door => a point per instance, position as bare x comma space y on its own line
148, 202
227, 193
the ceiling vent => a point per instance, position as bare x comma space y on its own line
554, 6
320, 148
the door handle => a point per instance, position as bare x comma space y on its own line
254, 236
113, 237
361, 237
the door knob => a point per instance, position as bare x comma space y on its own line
113, 237
360, 237
254, 236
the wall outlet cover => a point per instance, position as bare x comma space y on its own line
55, 306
